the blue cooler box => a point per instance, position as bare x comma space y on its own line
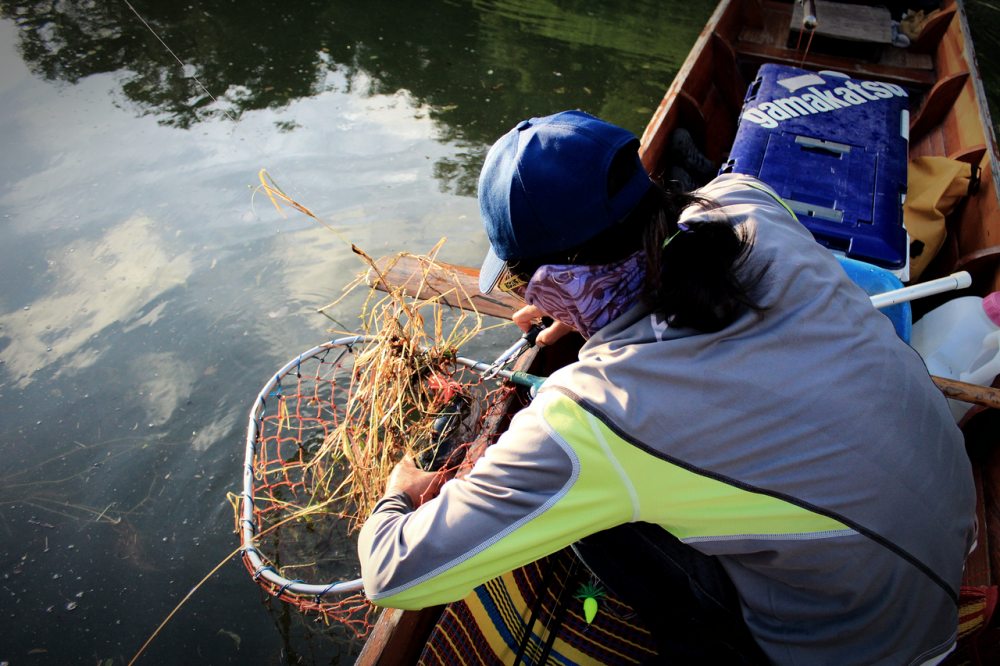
835, 149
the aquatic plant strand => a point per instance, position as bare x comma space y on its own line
177, 58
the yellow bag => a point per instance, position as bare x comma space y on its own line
935, 185
913, 22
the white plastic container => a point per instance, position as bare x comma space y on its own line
961, 340
985, 367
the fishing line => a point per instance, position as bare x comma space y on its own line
181, 62
267, 183
349, 610
285, 464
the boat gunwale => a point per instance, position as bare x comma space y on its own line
720, 25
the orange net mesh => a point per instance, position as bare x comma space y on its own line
325, 432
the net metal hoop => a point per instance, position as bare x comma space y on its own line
248, 530
261, 571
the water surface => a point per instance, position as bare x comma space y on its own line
146, 294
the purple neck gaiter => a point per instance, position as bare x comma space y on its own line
587, 297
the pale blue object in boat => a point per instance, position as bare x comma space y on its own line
875, 280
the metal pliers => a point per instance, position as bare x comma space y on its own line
526, 342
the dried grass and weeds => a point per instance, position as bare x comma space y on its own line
401, 382
334, 431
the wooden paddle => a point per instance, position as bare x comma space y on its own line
987, 396
421, 279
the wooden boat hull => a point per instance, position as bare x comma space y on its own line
951, 120
706, 98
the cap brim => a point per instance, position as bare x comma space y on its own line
489, 275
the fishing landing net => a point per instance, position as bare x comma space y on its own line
326, 430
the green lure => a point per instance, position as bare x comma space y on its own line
590, 593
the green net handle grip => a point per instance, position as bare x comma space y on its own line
533, 382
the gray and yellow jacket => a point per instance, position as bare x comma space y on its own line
803, 445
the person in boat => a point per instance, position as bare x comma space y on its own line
744, 451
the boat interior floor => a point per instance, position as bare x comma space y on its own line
773, 33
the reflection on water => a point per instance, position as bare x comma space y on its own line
161, 293
473, 68
984, 22
115, 280
146, 294
164, 381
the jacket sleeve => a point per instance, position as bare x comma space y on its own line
530, 495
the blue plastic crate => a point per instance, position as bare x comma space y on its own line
835, 149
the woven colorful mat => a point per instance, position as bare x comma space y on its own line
524, 610
975, 610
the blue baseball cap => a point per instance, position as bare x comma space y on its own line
544, 188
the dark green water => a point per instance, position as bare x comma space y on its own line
146, 294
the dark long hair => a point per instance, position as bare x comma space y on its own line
694, 274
